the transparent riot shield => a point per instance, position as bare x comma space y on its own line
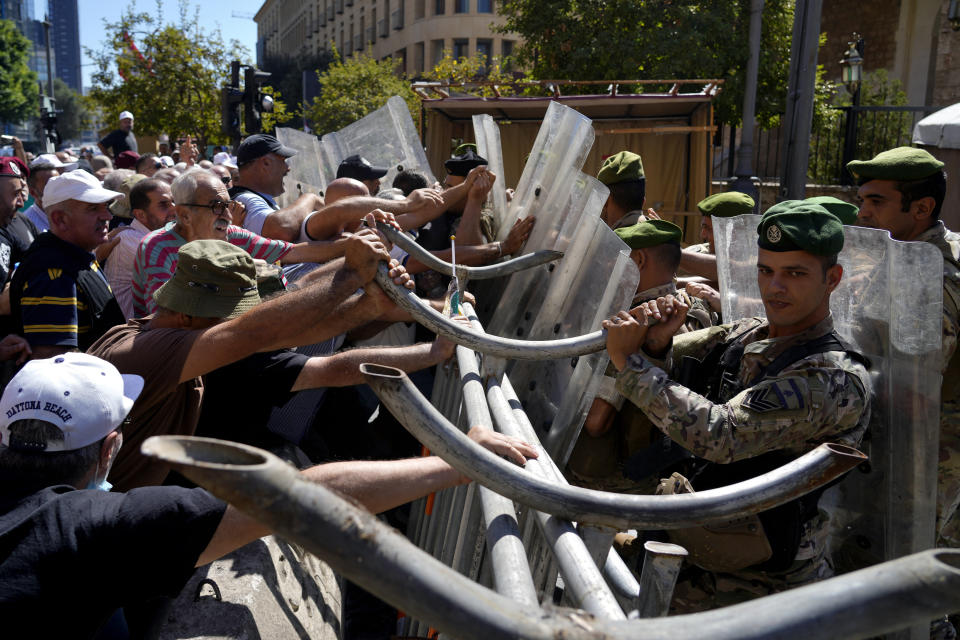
889, 304
487, 134
386, 137
305, 175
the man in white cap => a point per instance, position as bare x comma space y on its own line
44, 167
68, 540
59, 299
120, 140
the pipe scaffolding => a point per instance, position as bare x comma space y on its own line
862, 604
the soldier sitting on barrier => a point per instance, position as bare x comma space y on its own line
68, 540
902, 190
615, 437
746, 397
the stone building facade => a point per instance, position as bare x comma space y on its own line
414, 32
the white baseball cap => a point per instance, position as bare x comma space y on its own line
76, 185
46, 161
125, 114
82, 395
225, 159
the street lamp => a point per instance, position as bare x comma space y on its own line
851, 67
953, 15
851, 72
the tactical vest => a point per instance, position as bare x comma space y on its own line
716, 378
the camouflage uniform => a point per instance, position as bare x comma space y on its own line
821, 398
948, 471
597, 461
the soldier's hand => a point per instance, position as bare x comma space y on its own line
706, 292
363, 252
475, 173
667, 314
625, 336
518, 235
481, 186
425, 197
386, 218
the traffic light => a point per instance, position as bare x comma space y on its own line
231, 97
254, 102
48, 121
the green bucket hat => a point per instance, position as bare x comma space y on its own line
621, 167
806, 227
650, 233
902, 163
214, 279
726, 205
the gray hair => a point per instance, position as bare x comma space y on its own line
115, 178
185, 186
100, 162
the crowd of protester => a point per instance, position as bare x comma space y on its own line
167, 294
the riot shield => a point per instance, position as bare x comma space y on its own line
889, 304
386, 137
487, 134
305, 175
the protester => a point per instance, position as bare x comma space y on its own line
120, 139
148, 164
60, 300
69, 540
44, 167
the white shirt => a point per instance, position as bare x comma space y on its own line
119, 267
39, 219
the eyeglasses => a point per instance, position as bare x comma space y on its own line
226, 180
218, 208
158, 165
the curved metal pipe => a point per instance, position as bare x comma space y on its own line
862, 604
484, 342
623, 511
487, 272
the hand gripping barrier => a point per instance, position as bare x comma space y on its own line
862, 604
498, 270
485, 343
622, 511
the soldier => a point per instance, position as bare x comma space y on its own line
613, 434
746, 397
902, 190
623, 174
721, 205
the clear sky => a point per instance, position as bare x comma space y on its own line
213, 13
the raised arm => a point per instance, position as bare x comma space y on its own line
332, 218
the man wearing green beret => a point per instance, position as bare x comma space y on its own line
902, 190
614, 433
721, 205
747, 397
623, 174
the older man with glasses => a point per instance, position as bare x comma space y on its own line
205, 212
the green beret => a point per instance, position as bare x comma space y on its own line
621, 167
650, 233
806, 227
462, 149
902, 163
726, 205
844, 210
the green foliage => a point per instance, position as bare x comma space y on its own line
279, 116
467, 69
654, 39
173, 85
352, 88
18, 84
75, 113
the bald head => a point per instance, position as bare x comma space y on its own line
344, 188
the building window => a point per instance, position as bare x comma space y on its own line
484, 6
419, 9
485, 48
419, 58
506, 48
461, 6
400, 57
436, 52
461, 48
440, 8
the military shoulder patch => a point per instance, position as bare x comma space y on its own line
776, 395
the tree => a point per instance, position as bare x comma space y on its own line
18, 84
75, 115
352, 88
655, 39
168, 76
466, 69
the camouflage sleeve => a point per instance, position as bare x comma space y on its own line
951, 322
781, 413
607, 389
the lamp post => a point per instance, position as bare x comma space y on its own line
744, 180
851, 72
